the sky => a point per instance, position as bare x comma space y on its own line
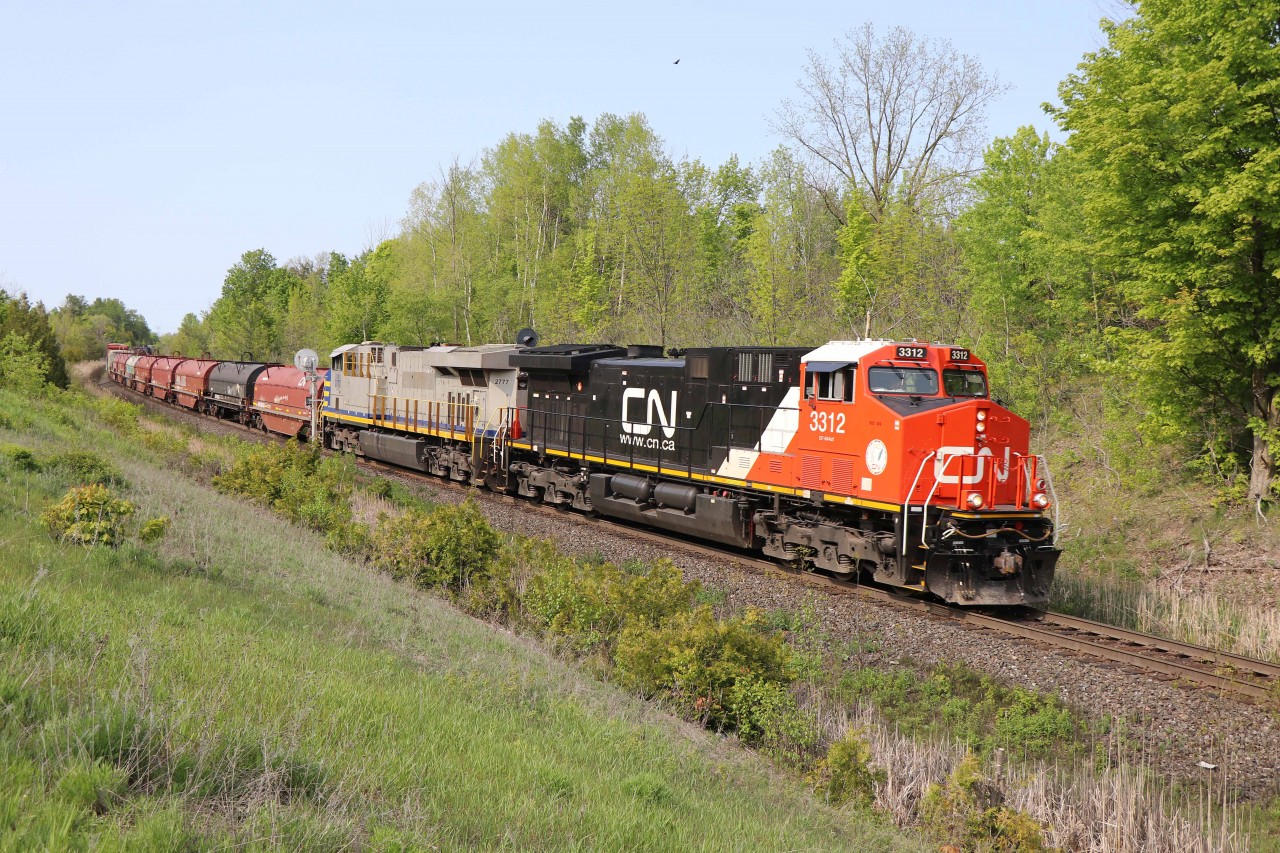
145, 147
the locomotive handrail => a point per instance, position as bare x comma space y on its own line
906, 506
937, 480
1053, 494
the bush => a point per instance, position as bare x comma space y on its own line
20, 457
121, 415
86, 468
443, 547
294, 480
154, 529
697, 661
969, 810
88, 515
846, 775
589, 603
766, 713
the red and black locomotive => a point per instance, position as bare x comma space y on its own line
877, 459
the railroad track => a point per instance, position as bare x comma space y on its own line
1183, 664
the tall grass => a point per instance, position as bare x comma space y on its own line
1200, 618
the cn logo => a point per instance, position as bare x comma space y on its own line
653, 406
946, 454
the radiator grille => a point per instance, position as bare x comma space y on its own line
811, 472
842, 476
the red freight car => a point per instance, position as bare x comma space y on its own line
142, 373
191, 380
282, 400
162, 372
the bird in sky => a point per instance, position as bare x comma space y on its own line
677, 62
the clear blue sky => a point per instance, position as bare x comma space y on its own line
145, 147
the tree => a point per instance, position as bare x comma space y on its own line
896, 117
84, 329
191, 339
1175, 122
29, 339
245, 319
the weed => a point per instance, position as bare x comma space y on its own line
846, 774
88, 515
86, 468
443, 547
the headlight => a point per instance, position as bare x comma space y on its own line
981, 427
982, 415
974, 500
1040, 500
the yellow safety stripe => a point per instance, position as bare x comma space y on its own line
713, 478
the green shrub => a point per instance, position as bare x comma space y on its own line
696, 661
766, 713
296, 481
968, 810
154, 529
20, 457
164, 443
588, 603
119, 414
88, 515
443, 547
86, 468
846, 774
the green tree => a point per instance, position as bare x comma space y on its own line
1175, 124
191, 339
29, 336
84, 328
246, 317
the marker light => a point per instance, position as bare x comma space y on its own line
974, 500
1041, 485
1040, 500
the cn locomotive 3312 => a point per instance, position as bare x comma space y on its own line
877, 459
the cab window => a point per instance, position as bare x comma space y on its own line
917, 381
835, 385
964, 383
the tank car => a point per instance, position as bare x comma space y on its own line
229, 393
876, 458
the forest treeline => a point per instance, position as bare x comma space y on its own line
1124, 282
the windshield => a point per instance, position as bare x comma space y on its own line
920, 381
964, 383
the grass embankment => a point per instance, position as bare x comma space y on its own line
1149, 545
237, 684
971, 778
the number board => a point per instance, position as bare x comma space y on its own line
958, 354
913, 353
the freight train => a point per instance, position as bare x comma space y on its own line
882, 460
